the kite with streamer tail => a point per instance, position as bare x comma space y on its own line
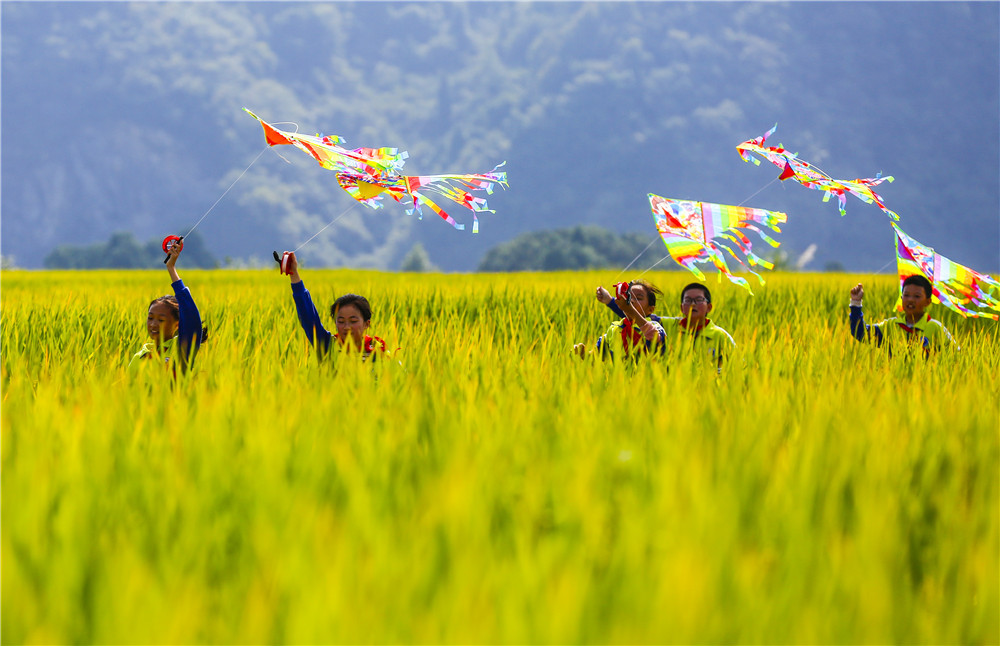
367, 174
369, 191
688, 229
811, 177
953, 285
326, 150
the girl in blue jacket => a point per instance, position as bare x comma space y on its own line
173, 324
351, 313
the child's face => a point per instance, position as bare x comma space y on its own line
641, 300
350, 322
694, 305
160, 322
915, 300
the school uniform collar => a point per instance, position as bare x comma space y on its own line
901, 322
165, 346
687, 328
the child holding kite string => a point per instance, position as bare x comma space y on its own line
693, 329
173, 324
351, 313
635, 339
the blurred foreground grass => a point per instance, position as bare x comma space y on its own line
487, 486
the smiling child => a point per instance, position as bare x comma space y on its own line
914, 327
351, 313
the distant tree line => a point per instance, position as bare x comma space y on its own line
574, 248
123, 251
579, 247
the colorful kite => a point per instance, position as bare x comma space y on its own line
366, 174
688, 229
369, 190
954, 286
328, 153
811, 177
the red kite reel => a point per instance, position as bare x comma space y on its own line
623, 290
168, 243
283, 261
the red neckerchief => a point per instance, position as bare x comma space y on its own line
908, 328
630, 331
685, 322
369, 344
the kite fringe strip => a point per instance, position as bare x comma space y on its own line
812, 177
366, 174
688, 229
953, 285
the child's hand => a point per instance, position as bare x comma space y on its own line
603, 295
293, 267
649, 331
857, 294
172, 255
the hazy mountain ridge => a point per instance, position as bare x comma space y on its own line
128, 116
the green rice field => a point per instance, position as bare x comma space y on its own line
485, 485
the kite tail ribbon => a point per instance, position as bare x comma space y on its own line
953, 285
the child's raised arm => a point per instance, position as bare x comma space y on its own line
172, 255
304, 307
190, 332
859, 329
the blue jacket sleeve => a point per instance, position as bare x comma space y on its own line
189, 330
859, 330
613, 306
309, 317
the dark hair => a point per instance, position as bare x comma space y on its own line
651, 290
919, 281
170, 302
359, 302
175, 310
708, 294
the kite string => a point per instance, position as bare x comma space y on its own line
345, 212
758, 191
224, 194
879, 270
636, 258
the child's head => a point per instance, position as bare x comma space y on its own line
162, 318
353, 315
696, 302
644, 296
916, 295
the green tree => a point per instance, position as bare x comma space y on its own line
417, 260
123, 251
579, 247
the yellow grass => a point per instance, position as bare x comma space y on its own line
486, 486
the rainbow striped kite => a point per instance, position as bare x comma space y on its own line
811, 177
689, 228
955, 286
366, 174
